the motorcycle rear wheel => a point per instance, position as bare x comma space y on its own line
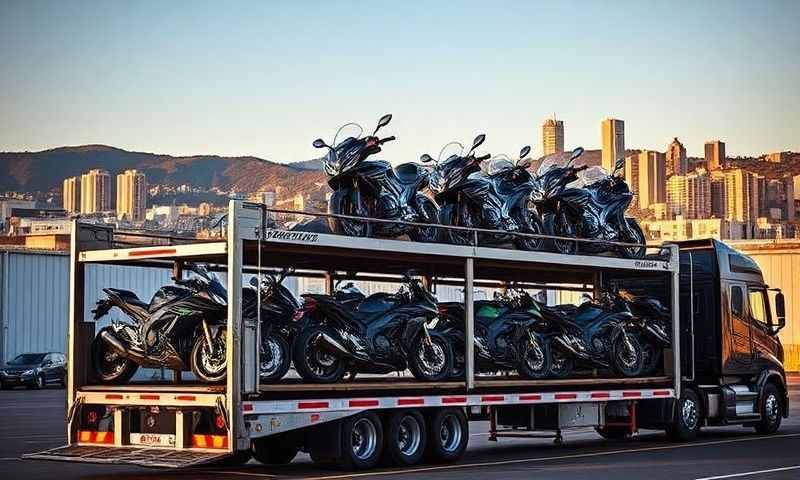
633, 234
311, 363
431, 362
652, 355
109, 366
341, 204
210, 366
275, 358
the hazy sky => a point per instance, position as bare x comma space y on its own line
266, 78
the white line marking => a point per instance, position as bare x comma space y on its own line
546, 459
245, 474
755, 472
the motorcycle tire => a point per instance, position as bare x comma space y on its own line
206, 368
633, 234
102, 354
275, 358
312, 364
449, 215
564, 228
627, 363
530, 223
427, 212
341, 203
431, 362
561, 364
652, 356
533, 364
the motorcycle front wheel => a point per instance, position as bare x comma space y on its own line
450, 215
341, 203
652, 355
275, 358
628, 355
210, 362
431, 360
530, 223
314, 364
109, 366
633, 234
564, 228
534, 359
561, 364
427, 212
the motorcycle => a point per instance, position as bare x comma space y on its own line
504, 337
498, 201
592, 207
372, 188
607, 339
651, 321
384, 333
182, 327
278, 306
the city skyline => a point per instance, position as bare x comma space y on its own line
189, 84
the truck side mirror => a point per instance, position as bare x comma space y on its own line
780, 311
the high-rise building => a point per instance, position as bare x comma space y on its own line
552, 136
612, 133
741, 195
715, 155
698, 195
677, 162
718, 198
131, 195
95, 191
72, 194
676, 196
652, 178
632, 177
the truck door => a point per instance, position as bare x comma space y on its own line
741, 351
765, 345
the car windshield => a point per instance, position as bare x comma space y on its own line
27, 359
348, 130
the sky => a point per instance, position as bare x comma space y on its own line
267, 78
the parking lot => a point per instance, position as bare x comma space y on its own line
34, 421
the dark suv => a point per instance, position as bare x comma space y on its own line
34, 370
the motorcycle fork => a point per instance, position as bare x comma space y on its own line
207, 333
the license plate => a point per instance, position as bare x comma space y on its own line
153, 439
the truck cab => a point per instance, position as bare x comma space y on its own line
732, 369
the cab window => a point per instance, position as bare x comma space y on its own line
758, 306
737, 301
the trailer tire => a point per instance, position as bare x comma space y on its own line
405, 437
237, 459
274, 450
362, 442
448, 433
686, 418
771, 409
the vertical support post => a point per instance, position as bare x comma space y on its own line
675, 271
597, 285
237, 438
329, 282
492, 424
469, 327
119, 427
180, 442
75, 315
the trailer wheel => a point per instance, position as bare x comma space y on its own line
405, 437
686, 419
274, 450
362, 442
771, 409
448, 433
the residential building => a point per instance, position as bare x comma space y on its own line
741, 195
95, 191
718, 198
631, 174
676, 161
777, 157
71, 192
715, 155
131, 196
7, 207
612, 141
652, 178
698, 195
677, 198
552, 136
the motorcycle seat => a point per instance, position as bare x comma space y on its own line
164, 295
128, 297
373, 306
408, 173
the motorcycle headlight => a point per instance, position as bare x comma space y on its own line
29, 372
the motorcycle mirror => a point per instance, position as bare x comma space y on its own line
477, 142
319, 143
383, 122
425, 158
253, 282
525, 151
576, 153
619, 164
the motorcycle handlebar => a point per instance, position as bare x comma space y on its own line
484, 157
387, 139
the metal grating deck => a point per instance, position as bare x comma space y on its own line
144, 457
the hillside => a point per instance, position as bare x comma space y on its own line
45, 170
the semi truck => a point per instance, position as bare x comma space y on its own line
724, 366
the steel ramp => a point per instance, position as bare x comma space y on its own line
143, 457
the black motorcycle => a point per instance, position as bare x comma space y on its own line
504, 337
278, 306
498, 201
182, 327
372, 188
607, 340
652, 323
592, 208
384, 333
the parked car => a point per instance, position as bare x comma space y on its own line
34, 370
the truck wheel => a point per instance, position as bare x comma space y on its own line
405, 437
771, 410
274, 450
686, 420
448, 433
362, 442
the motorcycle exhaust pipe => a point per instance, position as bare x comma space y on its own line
121, 349
327, 342
170, 360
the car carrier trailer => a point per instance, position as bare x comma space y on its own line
354, 423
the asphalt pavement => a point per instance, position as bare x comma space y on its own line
34, 421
